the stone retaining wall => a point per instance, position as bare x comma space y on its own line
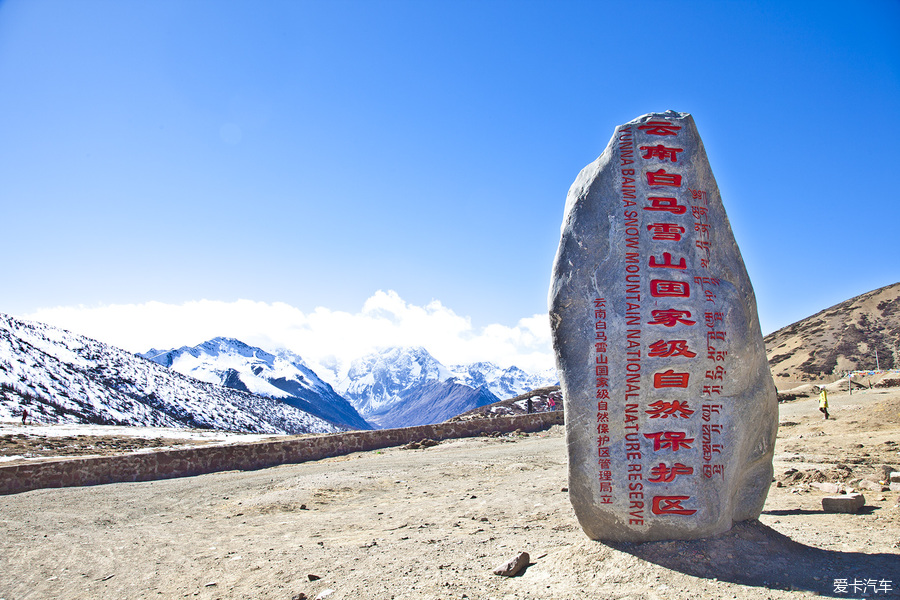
257, 455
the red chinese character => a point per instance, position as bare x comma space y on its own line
666, 204
670, 348
660, 128
661, 152
603, 394
603, 417
669, 317
673, 440
663, 474
670, 505
666, 231
603, 428
663, 288
670, 379
661, 178
667, 262
665, 409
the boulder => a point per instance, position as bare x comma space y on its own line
671, 412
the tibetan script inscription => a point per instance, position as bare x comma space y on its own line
671, 412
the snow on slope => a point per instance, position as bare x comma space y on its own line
282, 374
503, 383
61, 377
375, 382
398, 387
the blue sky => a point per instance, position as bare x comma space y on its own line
305, 155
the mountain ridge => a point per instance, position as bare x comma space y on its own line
63, 377
860, 333
282, 374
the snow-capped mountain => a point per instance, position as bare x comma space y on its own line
61, 377
397, 387
377, 381
282, 375
503, 383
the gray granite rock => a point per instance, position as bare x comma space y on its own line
671, 412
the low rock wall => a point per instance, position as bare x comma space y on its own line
186, 462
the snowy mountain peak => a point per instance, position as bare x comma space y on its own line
282, 375
394, 383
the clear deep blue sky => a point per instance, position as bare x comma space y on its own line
314, 152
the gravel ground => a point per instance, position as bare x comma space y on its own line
435, 522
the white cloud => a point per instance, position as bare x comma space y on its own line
321, 337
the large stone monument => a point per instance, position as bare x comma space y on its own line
671, 412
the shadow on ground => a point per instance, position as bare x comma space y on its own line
755, 555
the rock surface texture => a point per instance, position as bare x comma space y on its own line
671, 413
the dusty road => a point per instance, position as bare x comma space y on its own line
433, 523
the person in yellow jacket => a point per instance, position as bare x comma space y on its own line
823, 402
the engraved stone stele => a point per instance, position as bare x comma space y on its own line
671, 412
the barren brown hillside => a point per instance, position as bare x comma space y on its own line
842, 338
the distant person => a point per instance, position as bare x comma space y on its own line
529, 406
823, 402
24, 416
551, 403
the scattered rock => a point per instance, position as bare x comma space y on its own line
849, 503
828, 487
871, 485
312, 577
324, 594
513, 566
894, 477
210, 584
428, 443
300, 596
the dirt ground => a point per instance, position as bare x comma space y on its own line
434, 523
